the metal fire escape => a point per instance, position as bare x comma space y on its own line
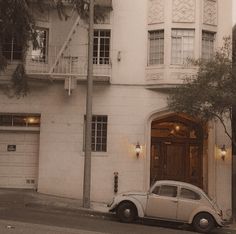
62, 64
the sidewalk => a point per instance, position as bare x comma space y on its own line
32, 199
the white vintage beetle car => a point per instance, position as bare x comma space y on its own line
171, 201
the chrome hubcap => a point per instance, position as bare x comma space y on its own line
127, 213
203, 223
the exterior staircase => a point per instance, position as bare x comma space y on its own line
62, 64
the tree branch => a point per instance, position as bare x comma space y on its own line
225, 128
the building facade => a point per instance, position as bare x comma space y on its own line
140, 52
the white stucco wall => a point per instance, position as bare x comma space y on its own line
129, 105
61, 137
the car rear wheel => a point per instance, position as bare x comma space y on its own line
203, 222
126, 212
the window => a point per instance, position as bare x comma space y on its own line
99, 133
11, 49
156, 190
39, 54
101, 47
168, 191
189, 194
182, 45
156, 47
20, 120
208, 39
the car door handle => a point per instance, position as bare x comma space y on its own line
174, 201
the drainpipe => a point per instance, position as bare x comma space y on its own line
88, 129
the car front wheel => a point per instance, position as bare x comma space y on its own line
203, 222
126, 212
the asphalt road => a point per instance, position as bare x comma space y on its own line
17, 220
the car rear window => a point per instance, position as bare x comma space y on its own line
189, 194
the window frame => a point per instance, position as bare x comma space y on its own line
44, 57
198, 196
160, 187
160, 47
183, 47
95, 145
15, 51
98, 58
209, 53
20, 120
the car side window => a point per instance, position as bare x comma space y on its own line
189, 194
168, 191
156, 190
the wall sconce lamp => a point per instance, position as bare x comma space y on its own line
137, 149
223, 152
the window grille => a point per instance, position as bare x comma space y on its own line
182, 45
208, 39
101, 47
11, 49
20, 120
40, 53
156, 47
99, 133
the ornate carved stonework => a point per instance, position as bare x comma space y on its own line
183, 11
156, 11
181, 76
154, 76
178, 76
210, 12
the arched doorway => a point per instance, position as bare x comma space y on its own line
176, 150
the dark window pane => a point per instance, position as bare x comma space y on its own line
93, 147
108, 33
98, 147
39, 54
19, 121
12, 49
99, 132
99, 118
168, 191
104, 148
156, 190
101, 47
6, 120
189, 194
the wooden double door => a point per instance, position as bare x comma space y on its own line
173, 159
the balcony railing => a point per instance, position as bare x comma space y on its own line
40, 65
75, 66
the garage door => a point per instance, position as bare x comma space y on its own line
19, 159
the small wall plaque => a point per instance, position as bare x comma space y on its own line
11, 147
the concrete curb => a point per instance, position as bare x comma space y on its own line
94, 213
78, 210
34, 200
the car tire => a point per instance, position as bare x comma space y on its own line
126, 212
203, 222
